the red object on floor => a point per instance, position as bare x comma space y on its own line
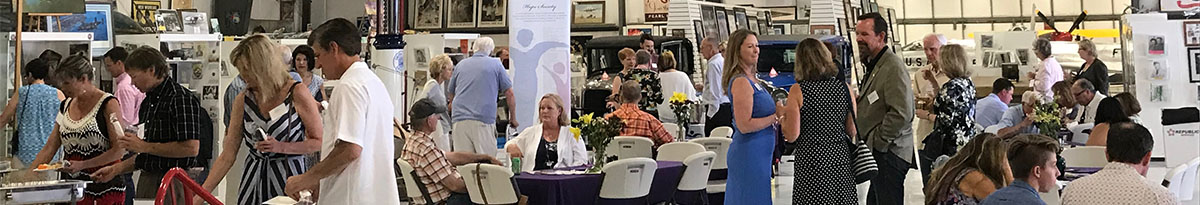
190, 188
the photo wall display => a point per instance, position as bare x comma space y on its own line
436, 14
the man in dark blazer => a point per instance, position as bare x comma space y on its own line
885, 110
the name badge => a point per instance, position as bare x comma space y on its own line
871, 98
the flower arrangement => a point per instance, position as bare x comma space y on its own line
1048, 119
597, 132
681, 106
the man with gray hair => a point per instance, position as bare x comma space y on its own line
1088, 98
927, 81
1019, 119
719, 111
474, 88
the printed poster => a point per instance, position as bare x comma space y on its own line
540, 54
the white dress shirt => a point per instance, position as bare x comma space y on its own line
1117, 183
672, 82
360, 113
714, 94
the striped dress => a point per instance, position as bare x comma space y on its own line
266, 172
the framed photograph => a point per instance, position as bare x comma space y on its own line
589, 12
1191, 33
740, 15
60, 6
195, 22
1157, 45
1193, 56
753, 25
722, 23
698, 27
96, 20
168, 21
764, 26
778, 29
429, 14
461, 14
1158, 93
492, 13
678, 33
1158, 70
421, 56
143, 14
986, 41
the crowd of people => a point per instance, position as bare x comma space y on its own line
338, 145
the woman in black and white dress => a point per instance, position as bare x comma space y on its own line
817, 117
292, 124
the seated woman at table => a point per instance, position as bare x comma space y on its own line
436, 169
549, 144
979, 169
1107, 113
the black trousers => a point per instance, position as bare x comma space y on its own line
888, 186
723, 117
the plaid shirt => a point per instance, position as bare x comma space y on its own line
430, 164
171, 113
639, 123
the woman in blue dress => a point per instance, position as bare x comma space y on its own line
754, 121
34, 107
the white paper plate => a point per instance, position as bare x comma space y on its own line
280, 200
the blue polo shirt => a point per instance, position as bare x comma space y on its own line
1019, 192
476, 85
989, 110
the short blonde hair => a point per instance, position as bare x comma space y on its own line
953, 60
666, 61
813, 61
259, 57
1087, 46
557, 101
437, 65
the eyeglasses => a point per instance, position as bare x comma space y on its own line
1081, 92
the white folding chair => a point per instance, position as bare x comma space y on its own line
489, 183
722, 131
414, 188
1085, 156
695, 173
1182, 179
625, 147
628, 178
718, 145
673, 129
678, 151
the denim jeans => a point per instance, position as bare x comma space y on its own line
888, 186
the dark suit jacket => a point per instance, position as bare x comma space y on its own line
885, 108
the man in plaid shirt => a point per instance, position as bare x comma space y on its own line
638, 122
434, 168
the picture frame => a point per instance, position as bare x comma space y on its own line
46, 7
421, 56
460, 14
195, 22
1193, 56
588, 12
97, 19
752, 24
429, 14
1191, 33
492, 13
722, 23
143, 13
698, 27
740, 15
168, 21
765, 27
708, 20
1156, 45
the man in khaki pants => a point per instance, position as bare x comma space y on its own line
474, 88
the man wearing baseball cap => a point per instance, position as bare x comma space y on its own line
436, 168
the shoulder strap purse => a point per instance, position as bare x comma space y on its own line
865, 167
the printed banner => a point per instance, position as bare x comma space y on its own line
540, 54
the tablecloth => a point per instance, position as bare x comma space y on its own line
585, 189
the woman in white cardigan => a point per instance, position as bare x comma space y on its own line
550, 143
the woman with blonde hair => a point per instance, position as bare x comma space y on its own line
1093, 68
953, 125
440, 70
754, 121
549, 144
822, 130
673, 81
979, 169
268, 118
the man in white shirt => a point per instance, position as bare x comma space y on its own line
926, 86
1088, 98
1122, 181
356, 165
719, 111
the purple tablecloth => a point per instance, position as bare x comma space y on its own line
585, 189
